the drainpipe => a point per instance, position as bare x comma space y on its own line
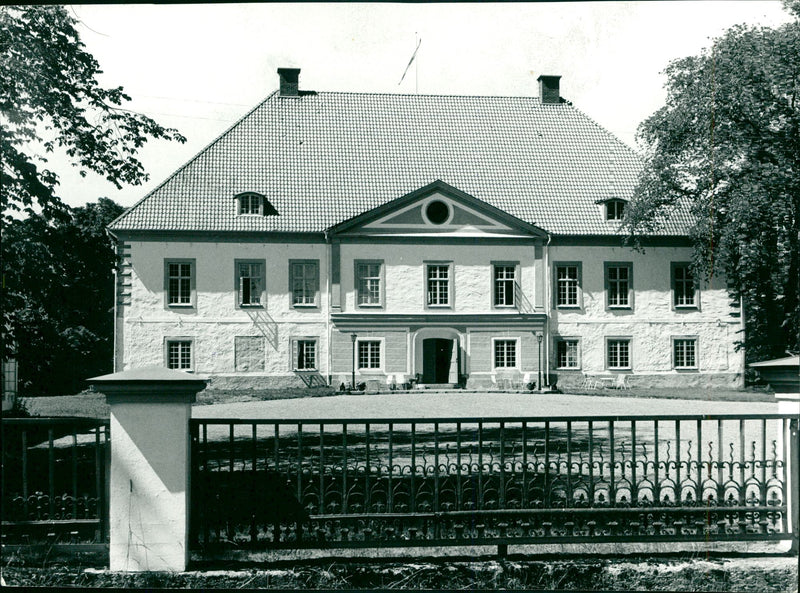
328, 330
547, 301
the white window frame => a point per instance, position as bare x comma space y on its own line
304, 263
262, 294
558, 282
381, 355
517, 353
628, 305
514, 283
564, 340
448, 281
615, 205
380, 278
695, 304
696, 345
609, 340
250, 199
180, 340
192, 279
295, 353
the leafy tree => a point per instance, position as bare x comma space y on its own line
50, 97
57, 262
58, 297
726, 148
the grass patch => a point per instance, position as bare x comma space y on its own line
750, 394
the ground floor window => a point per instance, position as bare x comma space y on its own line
684, 353
179, 355
567, 354
369, 354
305, 355
505, 354
619, 353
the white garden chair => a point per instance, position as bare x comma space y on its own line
589, 382
621, 382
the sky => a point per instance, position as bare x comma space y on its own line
199, 68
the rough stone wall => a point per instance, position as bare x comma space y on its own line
216, 323
652, 323
144, 322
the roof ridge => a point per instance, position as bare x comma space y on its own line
202, 151
436, 95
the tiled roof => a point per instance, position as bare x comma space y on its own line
323, 158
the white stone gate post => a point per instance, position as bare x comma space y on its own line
150, 467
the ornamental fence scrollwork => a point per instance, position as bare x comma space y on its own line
55, 480
404, 482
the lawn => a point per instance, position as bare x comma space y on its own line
428, 404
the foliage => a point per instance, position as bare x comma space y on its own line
623, 573
726, 147
50, 98
58, 297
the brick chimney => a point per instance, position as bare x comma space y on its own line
548, 89
288, 78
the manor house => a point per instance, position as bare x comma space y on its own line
451, 240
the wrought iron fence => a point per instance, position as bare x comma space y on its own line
450, 481
54, 480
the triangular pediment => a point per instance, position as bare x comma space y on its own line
437, 209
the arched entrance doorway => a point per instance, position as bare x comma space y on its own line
437, 355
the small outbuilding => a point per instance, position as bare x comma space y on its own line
783, 374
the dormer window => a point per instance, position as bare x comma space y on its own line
253, 203
615, 209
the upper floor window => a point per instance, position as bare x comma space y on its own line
505, 278
304, 282
369, 276
615, 209
567, 285
253, 203
179, 282
438, 280
250, 283
683, 286
619, 285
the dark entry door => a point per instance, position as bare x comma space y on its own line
436, 356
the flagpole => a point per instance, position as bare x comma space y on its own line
411, 61
416, 66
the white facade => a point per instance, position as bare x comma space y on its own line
401, 333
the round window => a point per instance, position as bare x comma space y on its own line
437, 212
